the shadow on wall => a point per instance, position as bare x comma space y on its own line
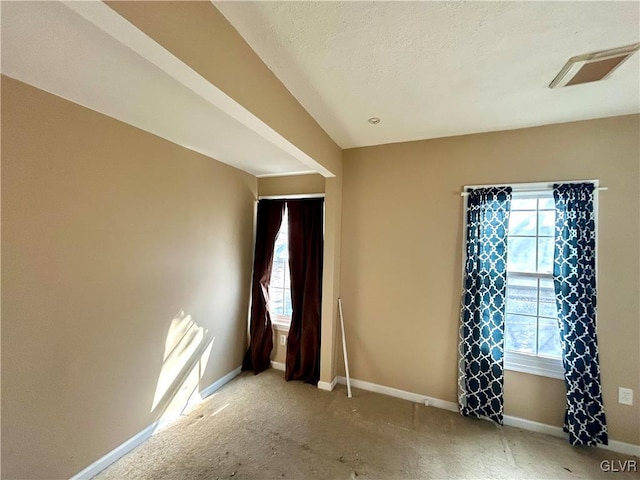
186, 354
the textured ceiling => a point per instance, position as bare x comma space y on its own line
436, 69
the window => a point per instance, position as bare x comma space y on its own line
532, 336
280, 283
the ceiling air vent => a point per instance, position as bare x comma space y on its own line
592, 67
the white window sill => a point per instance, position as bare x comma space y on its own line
281, 323
543, 366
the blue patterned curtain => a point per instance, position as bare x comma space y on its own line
481, 371
574, 279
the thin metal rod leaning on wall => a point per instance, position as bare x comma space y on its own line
344, 349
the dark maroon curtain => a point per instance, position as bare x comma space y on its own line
258, 356
305, 265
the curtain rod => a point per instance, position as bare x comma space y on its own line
465, 194
291, 197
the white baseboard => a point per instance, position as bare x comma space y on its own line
614, 445
394, 392
555, 431
328, 386
124, 448
205, 392
278, 366
321, 385
532, 426
121, 450
622, 447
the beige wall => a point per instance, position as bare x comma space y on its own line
198, 34
401, 267
291, 185
108, 232
331, 280
279, 352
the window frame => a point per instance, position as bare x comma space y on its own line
279, 321
528, 362
518, 361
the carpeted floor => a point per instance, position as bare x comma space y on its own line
261, 427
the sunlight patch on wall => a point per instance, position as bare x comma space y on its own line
187, 394
187, 351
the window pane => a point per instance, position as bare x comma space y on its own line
546, 289
546, 203
522, 223
281, 251
277, 274
521, 255
531, 325
520, 333
276, 300
522, 281
279, 295
548, 309
545, 254
522, 295
547, 298
548, 338
546, 223
523, 204
288, 310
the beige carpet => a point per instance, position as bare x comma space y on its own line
262, 427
